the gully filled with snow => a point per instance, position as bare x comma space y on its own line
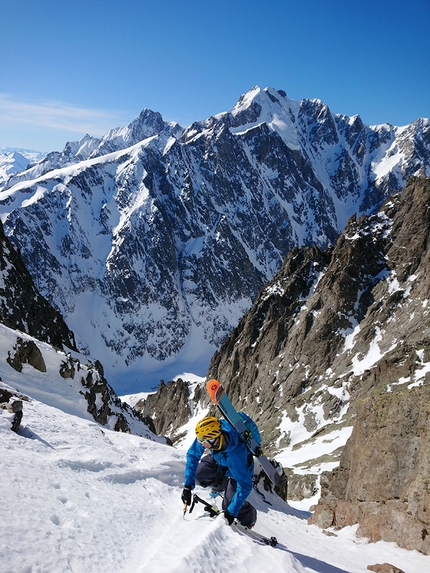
80, 498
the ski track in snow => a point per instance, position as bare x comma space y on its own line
83, 499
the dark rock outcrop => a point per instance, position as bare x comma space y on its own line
26, 352
168, 407
104, 405
22, 307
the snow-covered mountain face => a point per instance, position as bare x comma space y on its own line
22, 307
13, 161
36, 344
155, 240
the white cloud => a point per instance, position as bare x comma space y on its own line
62, 116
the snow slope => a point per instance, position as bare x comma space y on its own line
80, 498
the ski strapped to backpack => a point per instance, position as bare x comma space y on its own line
214, 512
246, 428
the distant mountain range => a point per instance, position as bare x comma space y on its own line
14, 160
154, 240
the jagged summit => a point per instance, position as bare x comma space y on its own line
81, 149
11, 162
262, 97
270, 107
147, 124
164, 242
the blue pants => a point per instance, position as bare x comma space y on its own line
211, 474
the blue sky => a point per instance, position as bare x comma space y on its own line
74, 66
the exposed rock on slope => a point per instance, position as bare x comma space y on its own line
336, 340
22, 307
171, 404
383, 479
169, 234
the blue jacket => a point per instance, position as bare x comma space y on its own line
235, 458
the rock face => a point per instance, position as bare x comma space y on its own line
22, 307
310, 336
383, 479
167, 235
339, 339
171, 405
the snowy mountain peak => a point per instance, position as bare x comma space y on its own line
147, 124
82, 148
11, 162
262, 97
269, 107
167, 240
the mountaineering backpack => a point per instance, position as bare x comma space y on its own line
245, 427
252, 429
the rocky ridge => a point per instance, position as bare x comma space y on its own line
168, 235
339, 341
317, 323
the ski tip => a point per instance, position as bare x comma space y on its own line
214, 389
